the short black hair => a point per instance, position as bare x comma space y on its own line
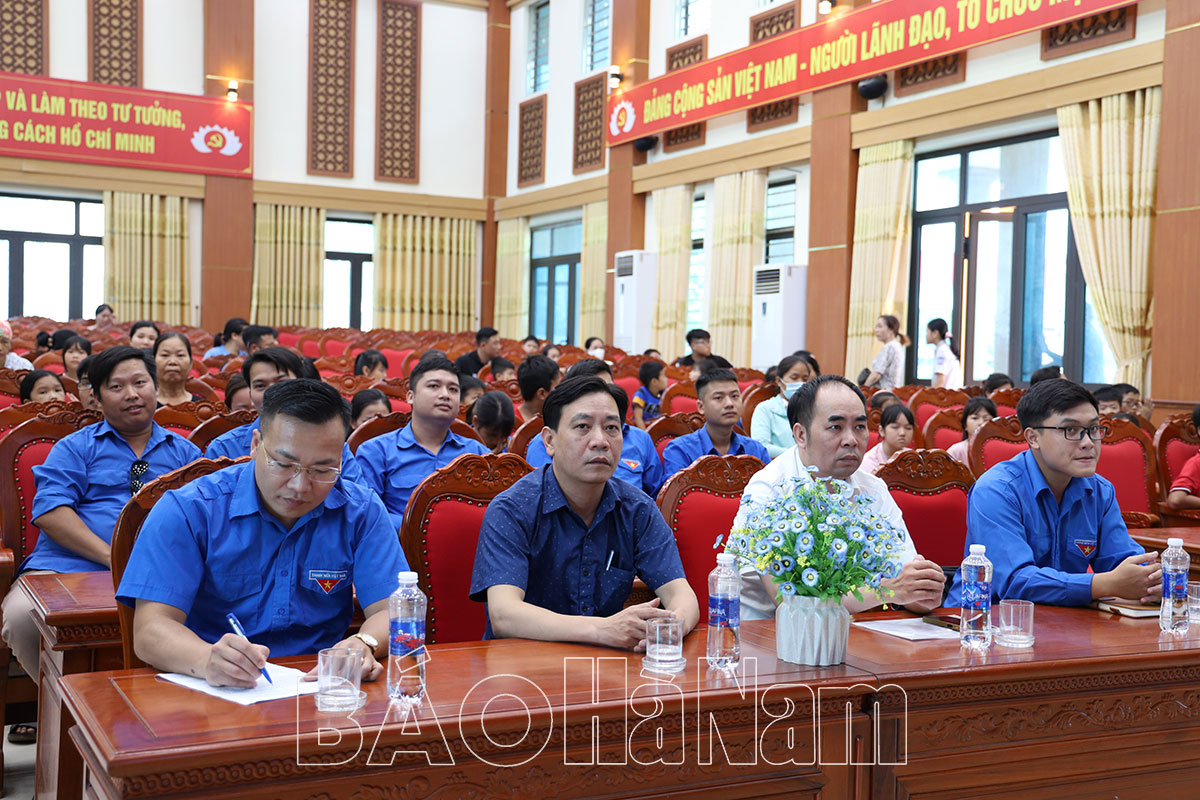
369, 359
483, 334
233, 327
500, 364
708, 376
31, 378
234, 385
573, 389
995, 381
811, 359
308, 368
977, 404
82, 343
786, 363
366, 397
101, 365
494, 410
60, 338
650, 350
432, 364
649, 370
251, 334
1045, 399
104, 307
314, 402
1109, 394
697, 333
531, 338
283, 359
879, 398
550, 346
1050, 373
468, 382
714, 362
588, 366
81, 371
892, 414
804, 401
166, 337
144, 323
44, 339
587, 345
1126, 388
536, 372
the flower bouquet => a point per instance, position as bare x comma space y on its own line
819, 540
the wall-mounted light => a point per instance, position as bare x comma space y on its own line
825, 6
231, 93
615, 76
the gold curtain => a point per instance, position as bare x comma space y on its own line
289, 256
673, 227
425, 273
882, 233
1110, 147
146, 272
739, 230
593, 269
511, 311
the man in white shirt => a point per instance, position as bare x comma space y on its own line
829, 424
8, 358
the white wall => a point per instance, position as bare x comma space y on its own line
68, 39
172, 48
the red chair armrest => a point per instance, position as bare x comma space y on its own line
1140, 519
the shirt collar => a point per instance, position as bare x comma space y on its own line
736, 447
157, 434
1076, 489
553, 498
405, 438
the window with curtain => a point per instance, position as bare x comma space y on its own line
781, 222
348, 285
539, 47
597, 34
48, 245
697, 298
555, 253
691, 16
994, 255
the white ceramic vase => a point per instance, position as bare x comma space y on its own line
812, 631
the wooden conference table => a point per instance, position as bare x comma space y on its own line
1156, 539
1099, 706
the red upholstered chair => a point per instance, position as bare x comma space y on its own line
972, 391
1174, 443
630, 385
289, 335
463, 429
335, 365
349, 385
1127, 459
905, 392
186, 417
12, 416
10, 386
199, 369
628, 366
510, 388
336, 341
943, 430
671, 426
395, 358
216, 363
397, 391
1006, 401
931, 489
753, 397
524, 435
928, 401
51, 361
677, 396
699, 503
377, 427
996, 441
211, 428
440, 533
309, 343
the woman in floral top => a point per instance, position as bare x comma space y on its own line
887, 370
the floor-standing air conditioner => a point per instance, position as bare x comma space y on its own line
778, 313
637, 274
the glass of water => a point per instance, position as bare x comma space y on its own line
339, 676
1016, 624
664, 645
1194, 601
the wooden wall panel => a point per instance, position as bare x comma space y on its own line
398, 94
931, 74
531, 144
767, 25
683, 55
25, 36
331, 88
1100, 30
591, 113
495, 147
115, 42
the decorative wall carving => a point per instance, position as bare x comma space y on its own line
397, 113
23, 37
115, 42
531, 142
1108, 27
591, 105
765, 26
931, 74
331, 88
680, 56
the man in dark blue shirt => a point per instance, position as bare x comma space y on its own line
721, 404
1046, 516
558, 551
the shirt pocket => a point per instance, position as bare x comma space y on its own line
615, 585
234, 586
401, 483
328, 580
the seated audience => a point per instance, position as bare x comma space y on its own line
471, 389
394, 463
258, 337
552, 352
1050, 373
237, 394
646, 400
229, 341
279, 542
76, 350
371, 364
9, 359
142, 334
1185, 489
812, 361
105, 316
650, 352
896, 425
84, 386
366, 405
42, 344
1131, 398
769, 425
536, 376
975, 414
559, 550
997, 382
712, 362
530, 345
60, 338
887, 370
1047, 517
493, 418
720, 402
1108, 400
173, 364
503, 370
487, 347
41, 386
699, 343
881, 400
594, 347
829, 425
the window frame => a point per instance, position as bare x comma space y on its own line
697, 248
551, 262
779, 234
16, 257
590, 19
356, 270
532, 83
683, 18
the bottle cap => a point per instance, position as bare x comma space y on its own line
978, 549
408, 577
726, 559
1174, 542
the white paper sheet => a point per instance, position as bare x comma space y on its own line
287, 683
911, 629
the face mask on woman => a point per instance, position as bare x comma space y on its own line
789, 389
596, 352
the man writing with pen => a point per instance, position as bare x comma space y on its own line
277, 542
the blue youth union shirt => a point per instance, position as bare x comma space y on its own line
1040, 549
236, 443
682, 451
531, 539
89, 471
638, 465
211, 548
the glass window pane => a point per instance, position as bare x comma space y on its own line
4, 309
781, 206
697, 307
1099, 363
541, 243
539, 47
367, 305
349, 237
93, 277
335, 294
1024, 169
562, 302
781, 251
1044, 329
539, 301
567, 239
91, 221
938, 182
35, 215
596, 35
47, 272
993, 298
699, 218
935, 285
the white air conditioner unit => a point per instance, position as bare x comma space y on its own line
779, 297
637, 275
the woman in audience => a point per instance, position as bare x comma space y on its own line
896, 424
552, 352
493, 418
769, 424
105, 315
371, 364
9, 359
173, 363
229, 341
975, 413
947, 371
41, 386
887, 370
143, 334
366, 406
75, 351
237, 394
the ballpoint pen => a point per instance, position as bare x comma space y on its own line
240, 631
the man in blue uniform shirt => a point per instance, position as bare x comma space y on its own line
263, 369
639, 464
1045, 516
279, 542
87, 479
721, 405
394, 463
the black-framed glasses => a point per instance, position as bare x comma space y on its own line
137, 471
290, 470
1074, 433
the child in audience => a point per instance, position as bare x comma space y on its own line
84, 386
1109, 398
530, 345
503, 370
975, 413
882, 400
997, 382
1185, 489
650, 352
41, 386
770, 425
76, 350
647, 398
366, 406
1131, 398
237, 394
552, 352
371, 364
896, 424
493, 417
472, 389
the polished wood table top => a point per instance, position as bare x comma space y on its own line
1156, 538
74, 608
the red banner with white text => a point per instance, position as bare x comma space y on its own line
843, 47
121, 127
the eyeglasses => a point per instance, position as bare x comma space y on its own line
1074, 433
291, 470
137, 471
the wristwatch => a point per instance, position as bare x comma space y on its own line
369, 640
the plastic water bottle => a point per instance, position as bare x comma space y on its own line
724, 614
1173, 614
975, 625
406, 642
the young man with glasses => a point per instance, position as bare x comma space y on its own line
1046, 517
85, 481
279, 542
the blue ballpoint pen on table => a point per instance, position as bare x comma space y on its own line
240, 631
